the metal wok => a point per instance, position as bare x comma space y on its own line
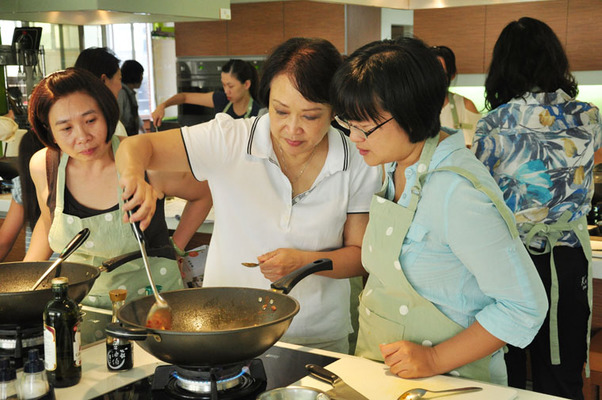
217, 325
20, 305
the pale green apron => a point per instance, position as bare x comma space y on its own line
109, 237
390, 309
454, 113
553, 232
249, 108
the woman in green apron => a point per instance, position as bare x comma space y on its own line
450, 282
539, 143
75, 116
239, 80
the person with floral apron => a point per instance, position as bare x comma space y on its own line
449, 280
74, 114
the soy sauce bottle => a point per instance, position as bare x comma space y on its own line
62, 342
120, 355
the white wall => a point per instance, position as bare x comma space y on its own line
391, 17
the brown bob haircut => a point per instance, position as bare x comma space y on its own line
61, 84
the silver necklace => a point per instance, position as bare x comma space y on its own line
286, 170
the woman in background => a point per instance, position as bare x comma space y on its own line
449, 280
103, 64
131, 78
539, 142
458, 112
239, 79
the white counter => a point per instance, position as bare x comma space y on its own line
368, 377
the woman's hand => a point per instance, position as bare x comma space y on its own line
280, 262
140, 195
158, 114
409, 360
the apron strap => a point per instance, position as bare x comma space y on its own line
553, 232
249, 108
454, 112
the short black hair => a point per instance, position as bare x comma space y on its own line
99, 61
309, 62
64, 83
243, 71
402, 77
131, 71
527, 57
449, 58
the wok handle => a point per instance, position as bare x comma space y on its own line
287, 283
117, 330
112, 263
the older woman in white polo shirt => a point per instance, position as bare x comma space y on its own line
287, 188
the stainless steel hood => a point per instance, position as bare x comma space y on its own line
101, 12
406, 4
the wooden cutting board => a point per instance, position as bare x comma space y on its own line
374, 381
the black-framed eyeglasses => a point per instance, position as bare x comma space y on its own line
345, 124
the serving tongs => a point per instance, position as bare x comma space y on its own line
160, 315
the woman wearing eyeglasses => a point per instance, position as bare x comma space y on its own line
287, 189
449, 280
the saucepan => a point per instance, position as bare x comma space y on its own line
216, 325
20, 305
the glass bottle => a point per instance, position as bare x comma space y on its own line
120, 354
62, 342
34, 384
8, 380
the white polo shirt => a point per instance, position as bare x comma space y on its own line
254, 214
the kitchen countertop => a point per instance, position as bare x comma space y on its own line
368, 377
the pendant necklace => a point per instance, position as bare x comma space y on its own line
293, 181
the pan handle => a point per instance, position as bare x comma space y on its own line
117, 330
112, 263
288, 282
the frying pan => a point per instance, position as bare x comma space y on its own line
216, 325
20, 305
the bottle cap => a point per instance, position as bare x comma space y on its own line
118, 294
34, 363
7, 371
61, 280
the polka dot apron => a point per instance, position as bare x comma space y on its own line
390, 308
109, 237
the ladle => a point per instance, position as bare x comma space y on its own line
418, 393
73, 245
160, 315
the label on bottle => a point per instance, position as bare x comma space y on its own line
77, 346
119, 356
49, 348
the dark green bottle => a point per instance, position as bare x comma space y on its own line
62, 343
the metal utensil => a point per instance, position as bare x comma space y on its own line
418, 393
160, 315
250, 265
73, 245
340, 389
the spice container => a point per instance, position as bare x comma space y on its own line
120, 354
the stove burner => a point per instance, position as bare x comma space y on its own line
204, 382
232, 382
16, 340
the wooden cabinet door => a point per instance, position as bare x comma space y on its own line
201, 38
312, 19
462, 29
255, 28
584, 33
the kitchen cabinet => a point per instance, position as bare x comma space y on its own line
472, 31
256, 28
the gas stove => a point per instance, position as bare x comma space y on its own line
17, 340
277, 367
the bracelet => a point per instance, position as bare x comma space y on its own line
179, 251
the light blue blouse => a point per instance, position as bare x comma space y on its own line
459, 253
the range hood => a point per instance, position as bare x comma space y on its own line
406, 4
102, 12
